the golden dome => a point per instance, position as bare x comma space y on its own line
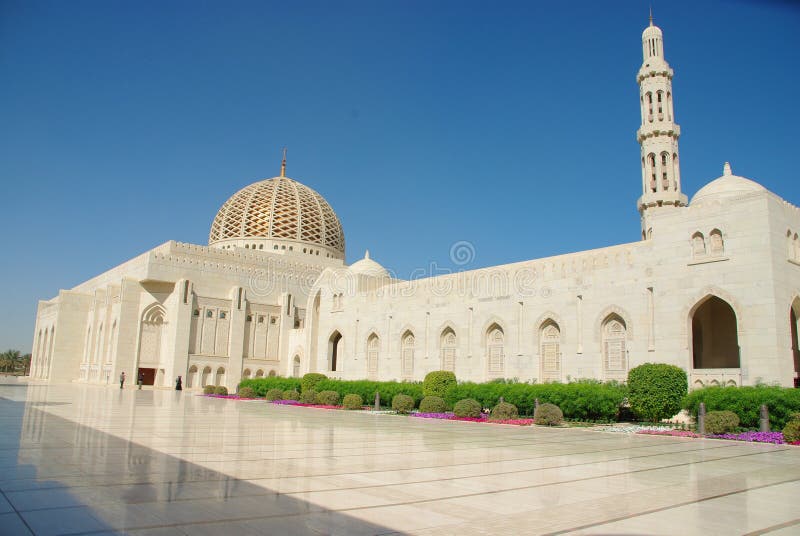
282, 210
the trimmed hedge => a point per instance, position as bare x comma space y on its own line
655, 390
432, 404
273, 394
467, 408
209, 389
548, 415
402, 403
221, 390
582, 400
290, 394
504, 410
438, 382
352, 401
745, 402
791, 432
328, 398
246, 392
309, 396
310, 381
721, 422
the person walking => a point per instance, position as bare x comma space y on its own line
178, 384
122, 379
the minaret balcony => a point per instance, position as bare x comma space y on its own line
652, 130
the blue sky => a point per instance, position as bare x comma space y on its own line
423, 123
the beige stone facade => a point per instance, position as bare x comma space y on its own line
712, 287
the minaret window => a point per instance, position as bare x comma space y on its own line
675, 172
669, 106
651, 161
664, 179
649, 106
660, 96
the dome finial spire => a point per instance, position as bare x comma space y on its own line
283, 163
366, 254
651, 14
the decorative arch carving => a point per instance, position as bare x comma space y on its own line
540, 323
613, 310
488, 325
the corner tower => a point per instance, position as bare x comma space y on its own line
658, 135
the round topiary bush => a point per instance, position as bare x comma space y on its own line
438, 382
221, 390
468, 407
548, 415
328, 398
655, 390
352, 402
504, 410
402, 403
247, 392
721, 422
791, 432
308, 397
432, 404
291, 394
310, 381
209, 389
274, 394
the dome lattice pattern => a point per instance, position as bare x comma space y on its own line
279, 208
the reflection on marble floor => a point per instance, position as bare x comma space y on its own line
83, 459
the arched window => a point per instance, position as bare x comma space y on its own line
660, 96
550, 351
259, 373
408, 343
664, 168
296, 366
272, 373
246, 374
669, 106
649, 97
698, 244
220, 376
206, 376
373, 349
448, 350
651, 162
715, 338
615, 352
676, 172
495, 350
717, 245
334, 348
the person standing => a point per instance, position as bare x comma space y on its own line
178, 384
122, 379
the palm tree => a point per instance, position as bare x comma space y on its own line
8, 360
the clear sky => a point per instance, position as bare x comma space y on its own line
510, 125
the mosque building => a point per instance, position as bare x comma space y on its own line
713, 287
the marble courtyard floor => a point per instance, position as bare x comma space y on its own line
80, 459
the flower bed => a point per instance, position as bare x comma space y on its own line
753, 437
448, 416
302, 404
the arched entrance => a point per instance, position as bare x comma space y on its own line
296, 366
191, 378
220, 376
334, 349
205, 377
715, 338
794, 314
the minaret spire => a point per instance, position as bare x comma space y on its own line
283, 163
658, 134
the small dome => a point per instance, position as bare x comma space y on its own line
280, 209
368, 267
651, 31
726, 187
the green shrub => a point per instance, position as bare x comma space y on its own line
746, 402
791, 432
468, 407
655, 390
504, 410
308, 397
221, 390
290, 394
368, 388
209, 389
310, 381
328, 398
273, 394
262, 385
432, 404
438, 382
721, 422
247, 392
352, 401
402, 403
548, 415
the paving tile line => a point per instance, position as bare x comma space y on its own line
773, 528
677, 505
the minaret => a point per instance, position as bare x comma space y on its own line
658, 135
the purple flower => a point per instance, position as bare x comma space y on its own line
754, 437
447, 415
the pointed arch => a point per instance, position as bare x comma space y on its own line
246, 374
615, 348
447, 348
335, 345
407, 349
191, 377
601, 318
714, 334
716, 243
549, 350
698, 244
373, 355
494, 335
